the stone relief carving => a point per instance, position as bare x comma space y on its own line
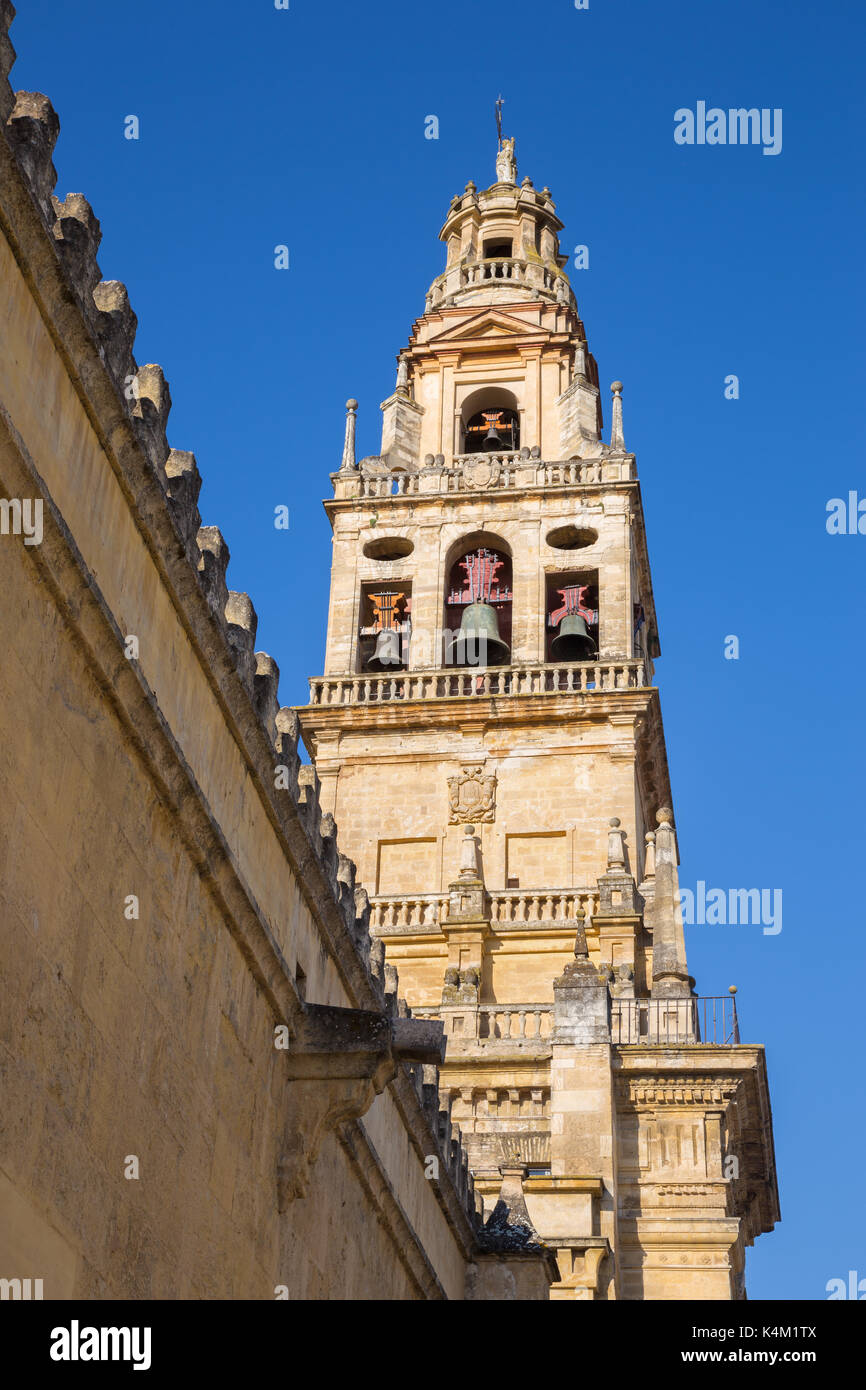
472, 796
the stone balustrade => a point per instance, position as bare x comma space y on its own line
451, 683
482, 472
498, 270
516, 906
517, 1023
395, 913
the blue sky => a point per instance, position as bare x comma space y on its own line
306, 127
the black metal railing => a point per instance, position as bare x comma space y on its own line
708, 1020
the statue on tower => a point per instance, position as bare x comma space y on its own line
506, 162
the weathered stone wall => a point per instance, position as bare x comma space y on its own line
171, 892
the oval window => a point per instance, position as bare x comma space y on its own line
388, 548
571, 537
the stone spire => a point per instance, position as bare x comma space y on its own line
617, 440
348, 463
670, 976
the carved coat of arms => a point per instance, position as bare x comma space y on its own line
481, 472
472, 795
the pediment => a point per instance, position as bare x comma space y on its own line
488, 323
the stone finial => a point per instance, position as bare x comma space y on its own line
402, 387
580, 948
469, 854
617, 440
670, 975
649, 862
615, 847
348, 463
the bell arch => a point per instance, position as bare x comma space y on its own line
495, 406
477, 601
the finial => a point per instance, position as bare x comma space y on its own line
580, 949
349, 445
403, 374
665, 816
615, 850
469, 854
649, 860
617, 442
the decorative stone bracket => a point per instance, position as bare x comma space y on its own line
338, 1062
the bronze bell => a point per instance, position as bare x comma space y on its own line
573, 642
387, 652
478, 642
492, 440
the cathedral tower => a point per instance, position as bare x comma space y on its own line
490, 743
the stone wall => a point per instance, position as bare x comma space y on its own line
172, 897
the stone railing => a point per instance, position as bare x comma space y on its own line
414, 912
482, 472
468, 683
498, 270
514, 907
518, 1023
515, 1020
397, 484
517, 906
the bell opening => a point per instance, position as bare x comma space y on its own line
496, 429
572, 617
383, 635
478, 609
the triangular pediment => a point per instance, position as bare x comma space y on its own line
488, 323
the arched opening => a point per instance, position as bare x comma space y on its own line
490, 422
478, 604
572, 616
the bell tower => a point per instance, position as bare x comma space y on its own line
489, 739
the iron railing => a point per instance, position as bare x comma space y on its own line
710, 1020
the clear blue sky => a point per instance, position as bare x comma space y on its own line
306, 127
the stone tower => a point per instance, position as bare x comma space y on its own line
490, 743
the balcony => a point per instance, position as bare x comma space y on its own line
507, 272
509, 682
484, 472
711, 1021
694, 1022
391, 914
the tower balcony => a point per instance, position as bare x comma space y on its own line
508, 682
485, 472
495, 279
